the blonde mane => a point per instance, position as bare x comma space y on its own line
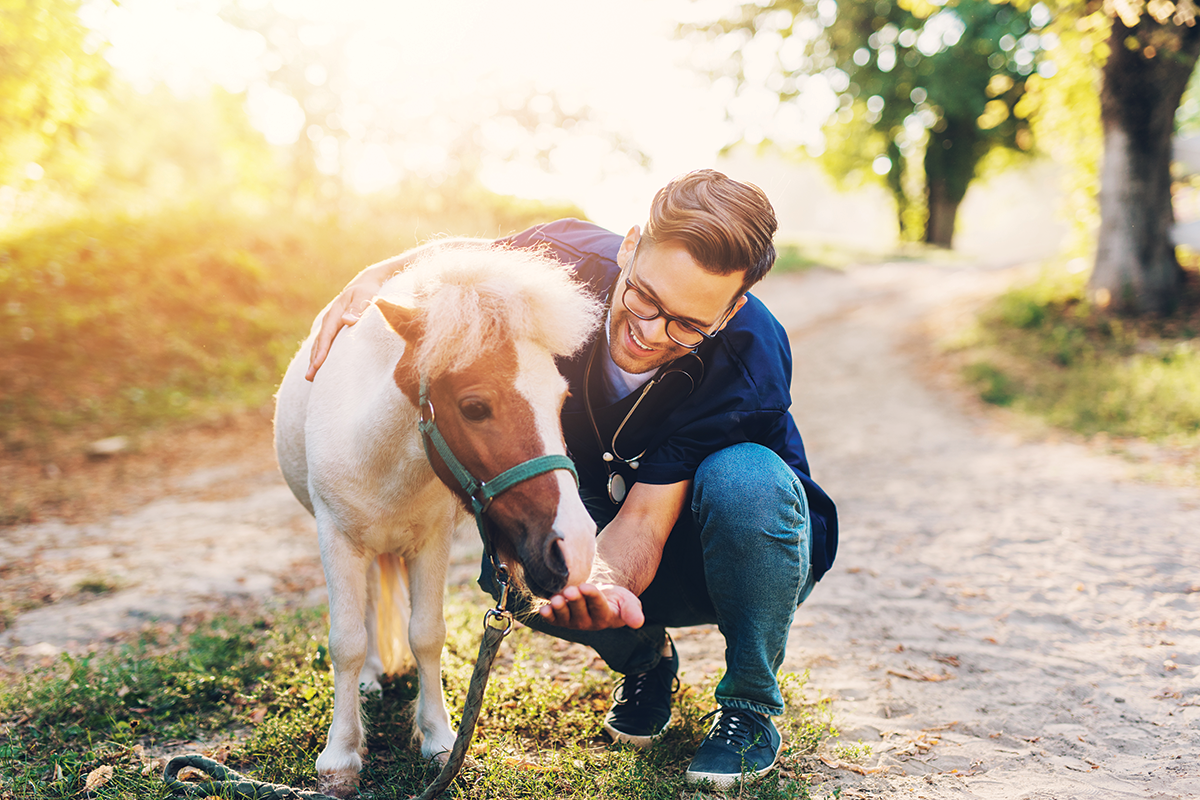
474, 298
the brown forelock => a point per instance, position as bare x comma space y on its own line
523, 516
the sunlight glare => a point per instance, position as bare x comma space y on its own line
277, 115
405, 63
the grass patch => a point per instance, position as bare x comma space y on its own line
121, 324
1044, 349
799, 256
257, 691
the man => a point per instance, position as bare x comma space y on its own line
688, 458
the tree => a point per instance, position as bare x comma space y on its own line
1153, 51
51, 75
934, 83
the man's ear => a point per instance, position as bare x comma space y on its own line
402, 315
628, 245
741, 301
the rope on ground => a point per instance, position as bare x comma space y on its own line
226, 783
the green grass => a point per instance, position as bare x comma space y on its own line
110, 325
1043, 349
259, 688
800, 255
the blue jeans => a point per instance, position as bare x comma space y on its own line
742, 559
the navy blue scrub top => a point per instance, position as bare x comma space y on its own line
743, 396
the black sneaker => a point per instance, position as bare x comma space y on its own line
641, 709
738, 743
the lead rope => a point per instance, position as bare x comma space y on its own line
231, 785
227, 783
493, 634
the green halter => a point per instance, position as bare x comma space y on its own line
478, 492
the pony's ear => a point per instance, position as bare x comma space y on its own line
401, 315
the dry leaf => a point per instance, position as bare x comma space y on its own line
98, 777
920, 676
524, 763
191, 775
835, 763
943, 727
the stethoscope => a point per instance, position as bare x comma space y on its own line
616, 482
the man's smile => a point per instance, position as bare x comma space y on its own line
638, 342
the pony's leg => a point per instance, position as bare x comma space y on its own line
368, 679
345, 576
426, 637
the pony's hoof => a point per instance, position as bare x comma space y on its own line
337, 784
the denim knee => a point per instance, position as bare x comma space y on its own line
746, 498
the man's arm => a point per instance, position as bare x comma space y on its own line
348, 306
628, 552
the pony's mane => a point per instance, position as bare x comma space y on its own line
473, 298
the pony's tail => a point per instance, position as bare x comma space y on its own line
392, 613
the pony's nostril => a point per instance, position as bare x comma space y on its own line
556, 563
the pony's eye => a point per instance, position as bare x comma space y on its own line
475, 410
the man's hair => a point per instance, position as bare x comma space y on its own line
726, 226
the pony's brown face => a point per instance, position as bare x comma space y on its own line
497, 413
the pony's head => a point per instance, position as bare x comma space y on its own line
483, 327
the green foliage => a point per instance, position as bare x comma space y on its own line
1064, 111
51, 73
259, 689
794, 258
936, 84
1044, 349
110, 325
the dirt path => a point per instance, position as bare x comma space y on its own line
1007, 618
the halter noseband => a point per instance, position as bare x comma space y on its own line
481, 493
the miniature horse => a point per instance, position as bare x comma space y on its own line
480, 327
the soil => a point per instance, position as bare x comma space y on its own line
1013, 613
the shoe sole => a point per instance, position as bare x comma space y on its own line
620, 737
726, 781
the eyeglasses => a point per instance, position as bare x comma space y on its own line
644, 307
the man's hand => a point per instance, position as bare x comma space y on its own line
346, 309
594, 607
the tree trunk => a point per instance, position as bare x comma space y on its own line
943, 211
950, 159
1136, 269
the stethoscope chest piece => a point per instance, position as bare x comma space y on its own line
616, 487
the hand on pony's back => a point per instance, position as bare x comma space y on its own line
346, 309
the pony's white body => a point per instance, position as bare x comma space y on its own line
349, 448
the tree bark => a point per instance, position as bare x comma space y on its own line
950, 159
943, 212
1143, 81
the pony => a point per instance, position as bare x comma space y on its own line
465, 338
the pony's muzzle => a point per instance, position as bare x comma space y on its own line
546, 571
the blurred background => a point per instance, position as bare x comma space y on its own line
184, 183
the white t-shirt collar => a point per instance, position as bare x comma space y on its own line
617, 382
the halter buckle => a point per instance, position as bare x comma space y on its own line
482, 500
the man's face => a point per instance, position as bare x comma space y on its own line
681, 288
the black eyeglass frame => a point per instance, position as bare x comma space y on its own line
658, 310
